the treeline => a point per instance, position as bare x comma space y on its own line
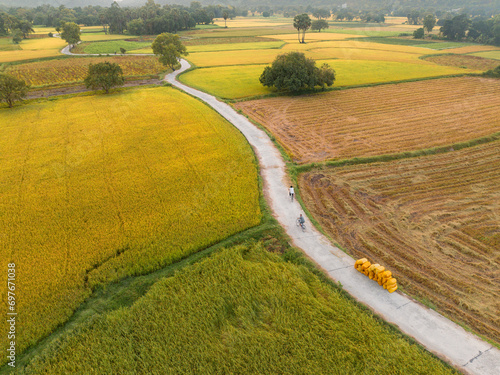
149, 19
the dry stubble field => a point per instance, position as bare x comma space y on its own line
380, 120
433, 220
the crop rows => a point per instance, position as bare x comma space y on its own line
380, 120
55, 72
432, 220
97, 188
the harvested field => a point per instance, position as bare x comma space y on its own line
433, 221
464, 61
380, 120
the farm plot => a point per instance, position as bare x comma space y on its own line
34, 49
433, 220
241, 311
97, 188
71, 70
380, 120
464, 61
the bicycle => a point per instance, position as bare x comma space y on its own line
302, 225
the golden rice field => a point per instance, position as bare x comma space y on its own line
241, 311
432, 220
34, 49
97, 188
70, 70
380, 120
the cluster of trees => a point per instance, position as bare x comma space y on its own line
149, 19
18, 28
478, 29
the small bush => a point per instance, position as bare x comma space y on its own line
419, 33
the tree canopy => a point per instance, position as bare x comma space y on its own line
12, 89
294, 72
302, 23
104, 76
70, 32
169, 48
319, 25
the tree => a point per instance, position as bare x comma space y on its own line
319, 25
12, 89
294, 72
456, 28
104, 76
225, 15
321, 13
302, 22
17, 36
26, 28
70, 33
169, 49
419, 33
429, 22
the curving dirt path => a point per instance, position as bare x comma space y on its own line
439, 335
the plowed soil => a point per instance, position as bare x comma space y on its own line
434, 221
380, 120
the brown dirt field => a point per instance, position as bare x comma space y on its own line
382, 119
434, 221
466, 61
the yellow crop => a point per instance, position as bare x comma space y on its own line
96, 188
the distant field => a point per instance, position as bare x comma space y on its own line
233, 82
241, 311
433, 221
34, 49
97, 188
380, 120
110, 46
464, 61
489, 55
253, 22
70, 70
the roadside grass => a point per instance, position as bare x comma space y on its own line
239, 310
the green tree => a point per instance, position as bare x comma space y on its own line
456, 28
26, 28
225, 15
429, 22
17, 36
319, 25
302, 23
321, 13
104, 76
169, 49
12, 89
419, 33
294, 72
70, 33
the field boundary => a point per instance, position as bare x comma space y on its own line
400, 155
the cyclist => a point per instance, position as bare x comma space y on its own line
302, 220
291, 193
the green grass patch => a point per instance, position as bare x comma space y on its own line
236, 82
112, 46
242, 310
394, 41
7, 45
488, 54
446, 45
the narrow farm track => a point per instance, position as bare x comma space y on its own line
439, 335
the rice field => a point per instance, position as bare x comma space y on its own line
380, 120
241, 311
74, 70
489, 55
432, 220
237, 82
97, 188
34, 49
464, 61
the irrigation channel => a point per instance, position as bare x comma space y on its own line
437, 334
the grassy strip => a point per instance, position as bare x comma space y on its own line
397, 156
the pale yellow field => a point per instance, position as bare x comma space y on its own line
313, 36
33, 49
252, 22
97, 188
244, 57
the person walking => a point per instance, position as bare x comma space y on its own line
291, 193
